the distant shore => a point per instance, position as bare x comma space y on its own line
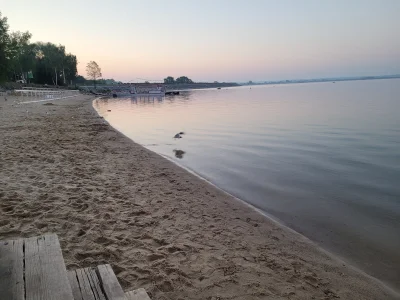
316, 80
63, 169
175, 86
190, 86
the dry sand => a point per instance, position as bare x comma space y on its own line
64, 170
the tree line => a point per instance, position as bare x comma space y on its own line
182, 79
40, 62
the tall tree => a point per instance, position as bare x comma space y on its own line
20, 54
183, 79
53, 64
69, 68
169, 80
47, 62
4, 41
93, 71
51, 61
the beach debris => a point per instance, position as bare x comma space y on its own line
177, 136
181, 133
48, 104
179, 153
108, 109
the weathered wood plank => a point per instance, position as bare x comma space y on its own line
85, 284
88, 280
139, 294
110, 283
12, 285
96, 284
45, 273
90, 277
73, 282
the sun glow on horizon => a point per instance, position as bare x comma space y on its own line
224, 40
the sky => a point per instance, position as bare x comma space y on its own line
222, 40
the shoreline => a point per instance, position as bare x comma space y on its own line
267, 216
65, 170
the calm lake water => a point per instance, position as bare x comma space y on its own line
323, 158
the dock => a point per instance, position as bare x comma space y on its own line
34, 269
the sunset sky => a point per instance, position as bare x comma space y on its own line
224, 40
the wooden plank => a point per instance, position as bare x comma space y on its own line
139, 294
110, 284
96, 284
88, 279
12, 270
85, 284
73, 282
45, 273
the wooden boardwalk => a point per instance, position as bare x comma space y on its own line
34, 269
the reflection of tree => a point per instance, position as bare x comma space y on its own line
185, 95
179, 153
182, 97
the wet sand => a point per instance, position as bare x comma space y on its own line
64, 170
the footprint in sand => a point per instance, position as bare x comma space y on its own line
8, 210
155, 256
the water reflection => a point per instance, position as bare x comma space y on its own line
323, 158
179, 153
145, 99
183, 96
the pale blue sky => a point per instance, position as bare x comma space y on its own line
220, 39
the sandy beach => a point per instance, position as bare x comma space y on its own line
64, 170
